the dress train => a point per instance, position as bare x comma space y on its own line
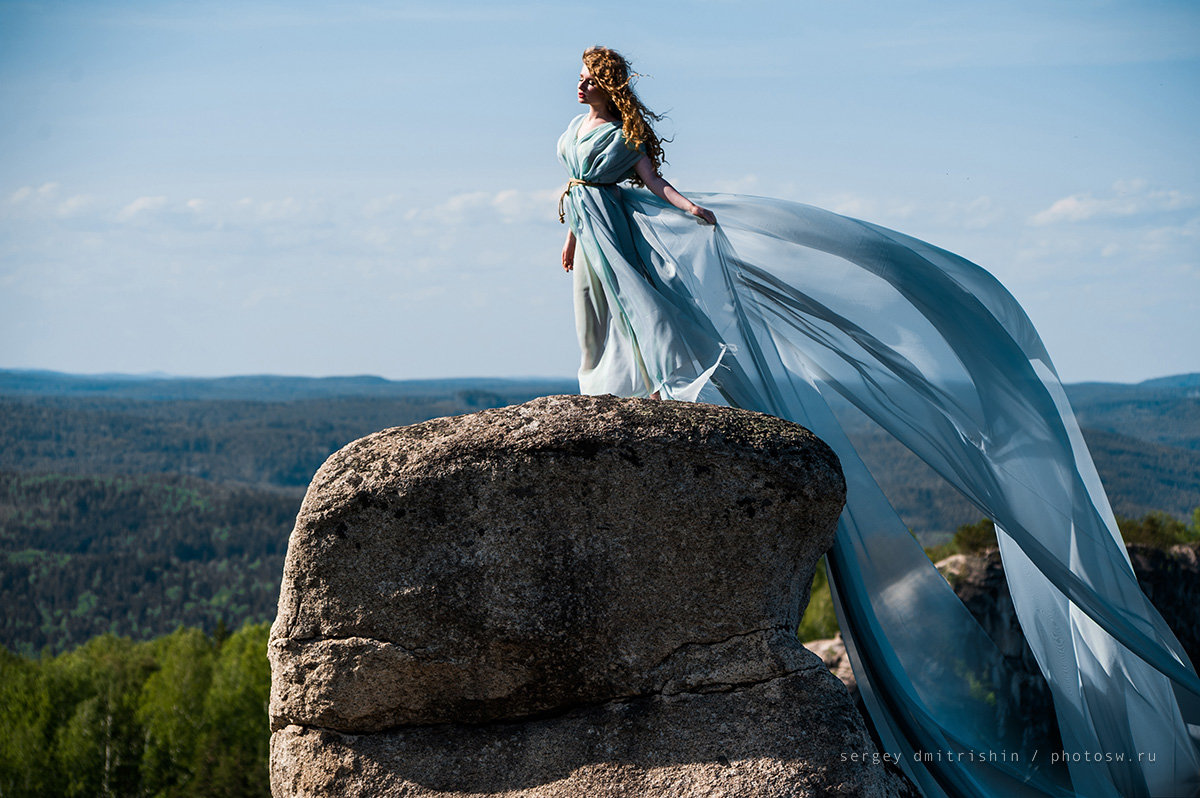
782, 305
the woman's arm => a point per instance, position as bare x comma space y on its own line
666, 191
568, 253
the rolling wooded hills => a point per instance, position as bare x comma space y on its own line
135, 504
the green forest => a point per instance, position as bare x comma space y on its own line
129, 515
134, 556
183, 714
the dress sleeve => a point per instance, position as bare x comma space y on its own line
635, 154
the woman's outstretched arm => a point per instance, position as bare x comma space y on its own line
656, 183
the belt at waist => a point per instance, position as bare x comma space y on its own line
562, 215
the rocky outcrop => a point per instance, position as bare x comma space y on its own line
832, 652
1171, 580
1169, 577
575, 596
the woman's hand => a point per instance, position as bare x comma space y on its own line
703, 214
568, 253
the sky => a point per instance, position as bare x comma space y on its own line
216, 188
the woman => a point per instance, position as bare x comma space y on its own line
780, 305
612, 361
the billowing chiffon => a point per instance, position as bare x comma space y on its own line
781, 304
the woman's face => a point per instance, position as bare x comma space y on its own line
589, 92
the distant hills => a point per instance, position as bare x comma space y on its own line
263, 388
134, 503
1176, 381
273, 431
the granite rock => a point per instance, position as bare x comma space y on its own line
575, 596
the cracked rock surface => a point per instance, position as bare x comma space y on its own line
574, 596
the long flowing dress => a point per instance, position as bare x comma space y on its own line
781, 306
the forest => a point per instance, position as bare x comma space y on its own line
133, 506
135, 556
182, 714
141, 520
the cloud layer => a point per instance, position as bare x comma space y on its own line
86, 277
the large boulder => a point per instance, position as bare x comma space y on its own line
575, 596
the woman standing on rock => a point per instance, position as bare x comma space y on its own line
771, 305
617, 129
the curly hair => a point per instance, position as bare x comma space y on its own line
611, 72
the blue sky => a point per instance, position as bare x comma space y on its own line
212, 188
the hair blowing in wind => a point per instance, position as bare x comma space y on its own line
611, 72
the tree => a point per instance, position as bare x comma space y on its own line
169, 711
98, 747
25, 716
232, 756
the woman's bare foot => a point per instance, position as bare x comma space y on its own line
656, 395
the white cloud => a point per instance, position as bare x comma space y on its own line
379, 222
746, 184
26, 195
507, 205
380, 206
140, 206
75, 205
979, 213
853, 205
968, 214
1177, 239
269, 294
1128, 198
284, 209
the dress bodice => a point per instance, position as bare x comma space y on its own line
601, 155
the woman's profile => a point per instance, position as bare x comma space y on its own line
777, 307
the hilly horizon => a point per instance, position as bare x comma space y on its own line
1145, 435
131, 504
18, 381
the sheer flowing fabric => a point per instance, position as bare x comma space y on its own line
781, 305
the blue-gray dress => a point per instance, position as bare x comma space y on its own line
782, 305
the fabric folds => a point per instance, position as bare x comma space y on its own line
783, 306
